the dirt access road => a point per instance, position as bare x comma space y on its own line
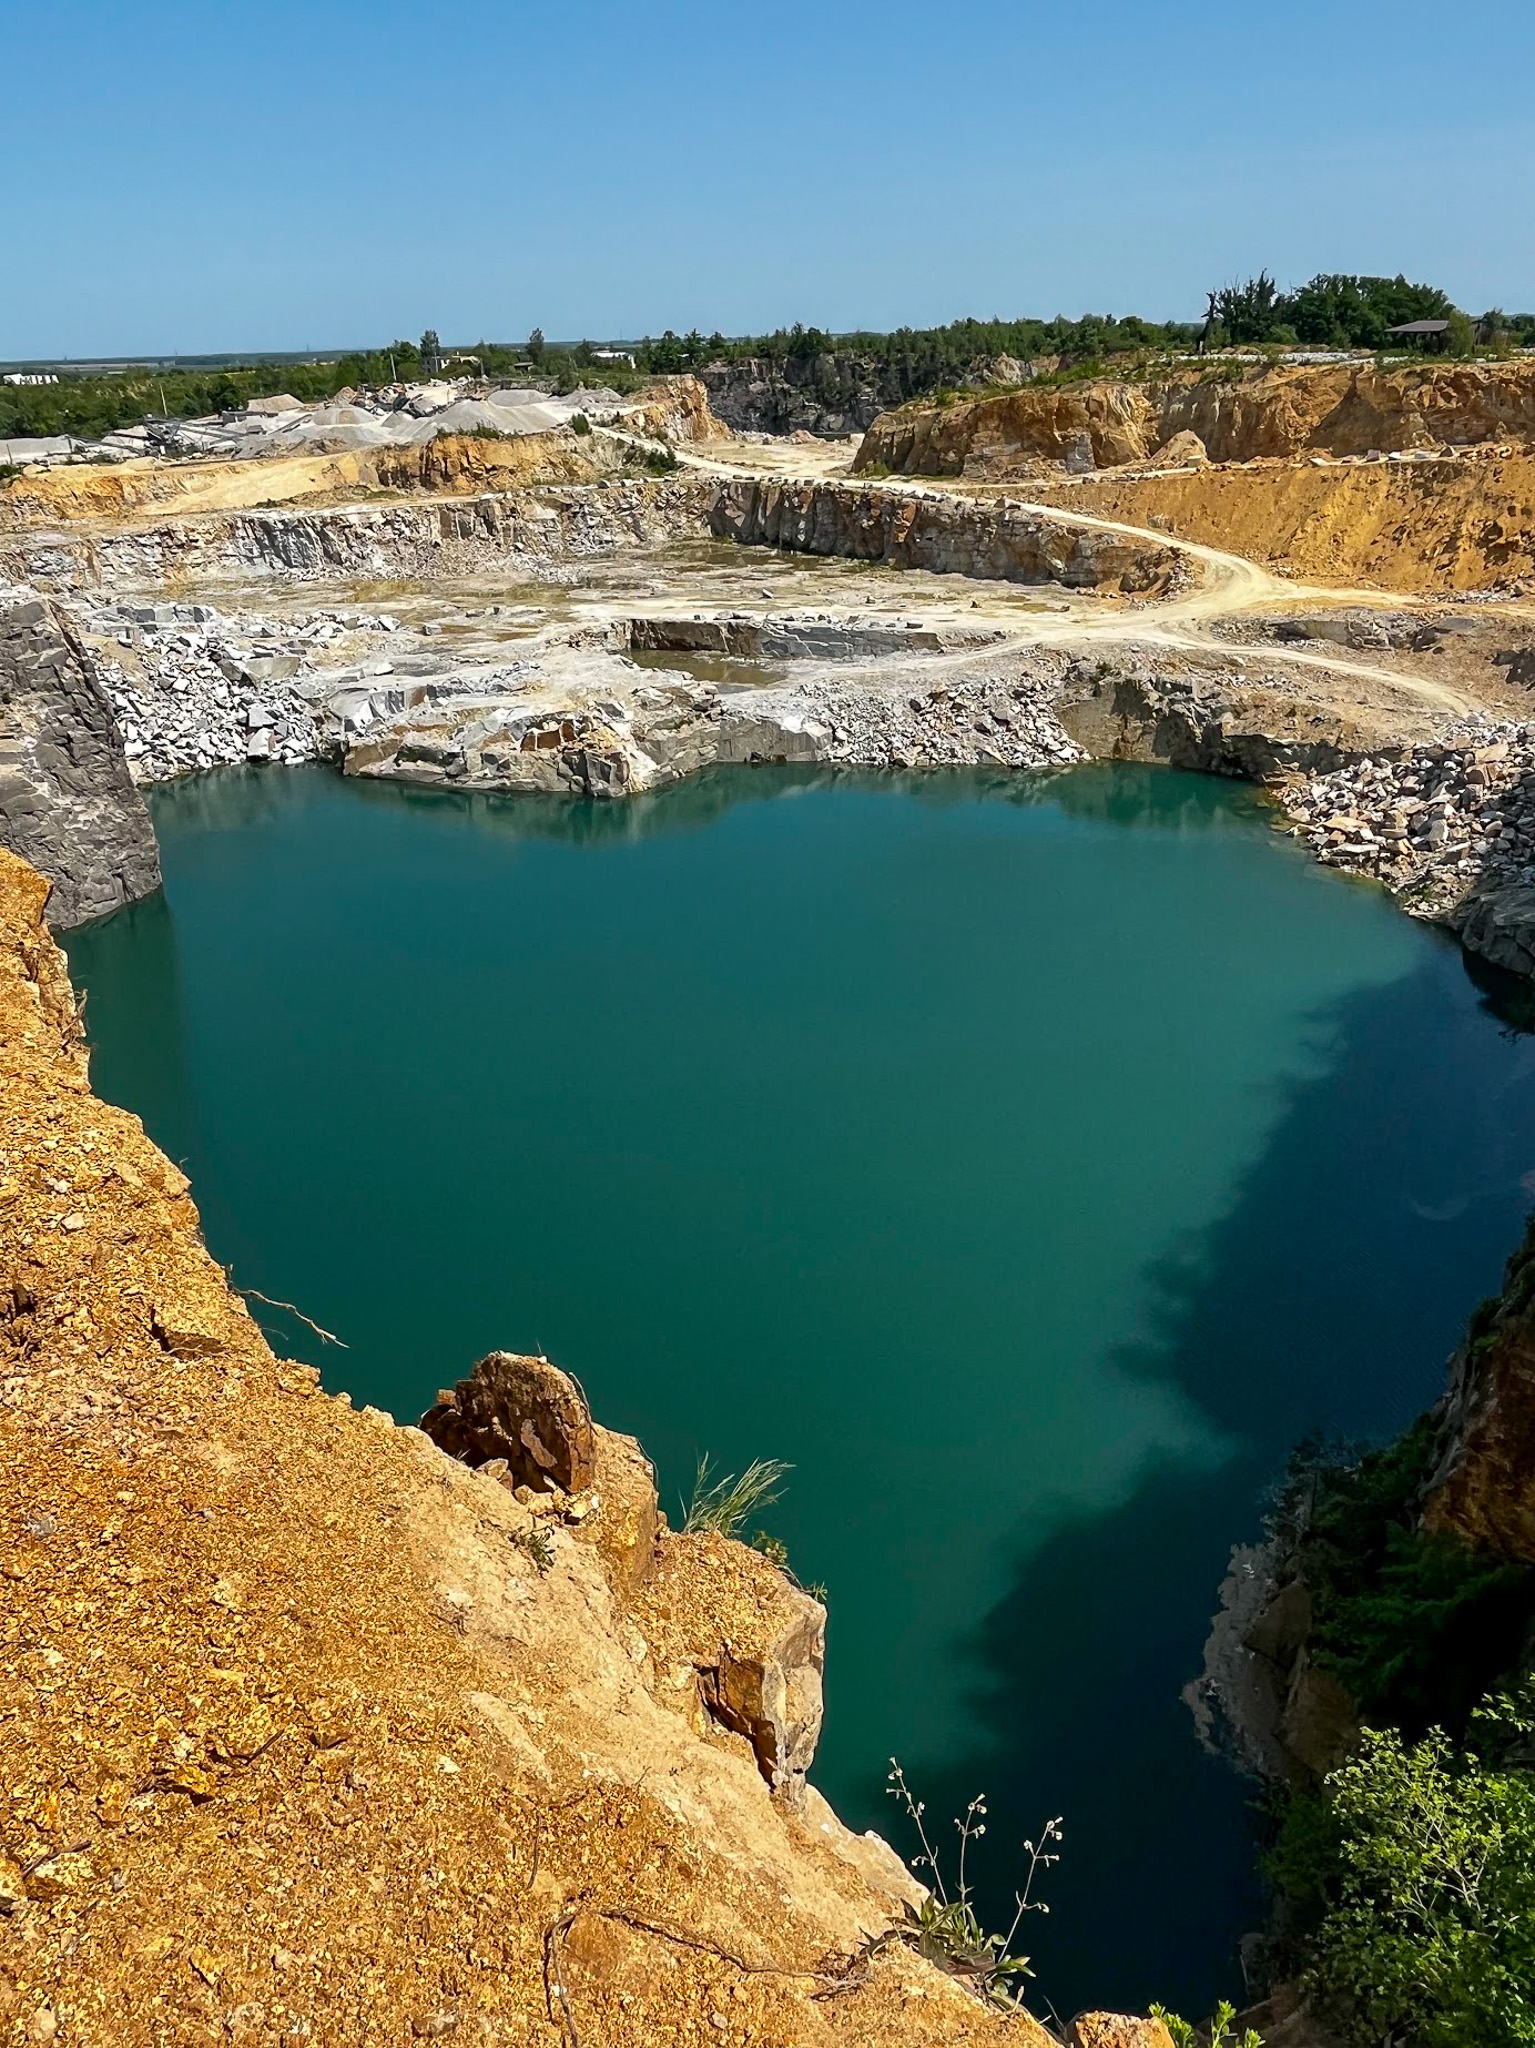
1224, 585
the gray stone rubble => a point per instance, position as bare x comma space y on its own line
1449, 828
1003, 720
199, 689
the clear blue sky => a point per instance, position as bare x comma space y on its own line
264, 174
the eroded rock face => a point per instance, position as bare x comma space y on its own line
1210, 719
1483, 1487
770, 1691
951, 536
67, 802
648, 735
524, 1410
828, 395
421, 537
732, 1630
1342, 409
1263, 1698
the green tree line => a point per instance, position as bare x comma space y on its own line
1343, 310
1332, 311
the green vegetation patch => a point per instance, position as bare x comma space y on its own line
1415, 1867
1417, 1626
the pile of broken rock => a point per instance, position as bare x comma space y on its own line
1461, 807
197, 689
1449, 829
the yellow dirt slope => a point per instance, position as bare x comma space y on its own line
1461, 524
454, 463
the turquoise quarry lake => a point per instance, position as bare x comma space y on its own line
1030, 1162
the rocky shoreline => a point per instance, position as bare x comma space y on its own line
1448, 829
1446, 823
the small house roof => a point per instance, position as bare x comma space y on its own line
1421, 327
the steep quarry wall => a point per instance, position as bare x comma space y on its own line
948, 535
1483, 1487
1339, 409
832, 395
314, 1733
67, 803
423, 537
1456, 524
678, 410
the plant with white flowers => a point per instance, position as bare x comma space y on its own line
944, 1928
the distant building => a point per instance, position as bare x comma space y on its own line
30, 377
613, 355
1421, 333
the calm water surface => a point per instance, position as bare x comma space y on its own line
1029, 1162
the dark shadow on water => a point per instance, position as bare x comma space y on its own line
1319, 1301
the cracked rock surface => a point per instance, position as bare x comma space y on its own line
67, 800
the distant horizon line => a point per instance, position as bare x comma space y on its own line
229, 358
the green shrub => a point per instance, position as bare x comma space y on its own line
658, 461
1219, 2034
1440, 1623
1461, 338
1427, 1870
1418, 1627
579, 423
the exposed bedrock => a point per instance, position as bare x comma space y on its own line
404, 538
602, 733
1339, 409
950, 536
790, 639
1138, 707
755, 1645
1483, 1485
522, 1414
827, 395
67, 803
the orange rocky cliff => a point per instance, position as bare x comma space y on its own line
1483, 1488
1236, 415
314, 1732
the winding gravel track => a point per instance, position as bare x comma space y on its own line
1226, 584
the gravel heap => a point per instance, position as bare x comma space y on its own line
1463, 807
